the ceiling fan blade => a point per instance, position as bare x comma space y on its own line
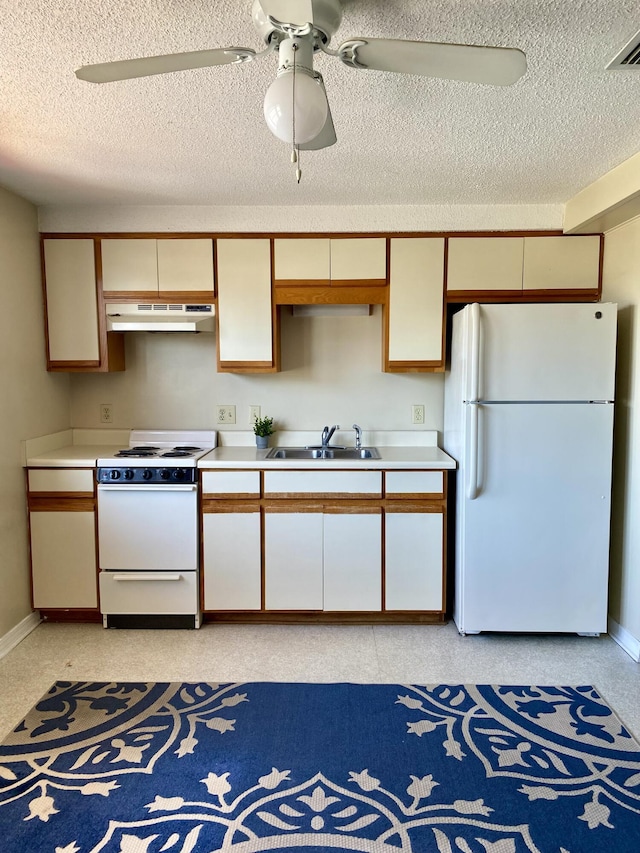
297, 12
128, 69
327, 135
497, 66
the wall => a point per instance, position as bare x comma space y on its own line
621, 284
331, 373
34, 402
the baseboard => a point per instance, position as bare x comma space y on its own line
17, 634
624, 639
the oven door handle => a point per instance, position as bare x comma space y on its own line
169, 487
146, 576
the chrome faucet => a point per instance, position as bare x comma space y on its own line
327, 433
358, 436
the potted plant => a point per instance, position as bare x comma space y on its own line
263, 428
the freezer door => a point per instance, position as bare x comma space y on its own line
541, 352
532, 549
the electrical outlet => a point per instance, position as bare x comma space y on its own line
226, 414
254, 412
417, 413
106, 413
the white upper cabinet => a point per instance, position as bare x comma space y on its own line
324, 259
157, 266
304, 259
359, 258
185, 265
71, 301
524, 264
416, 303
485, 263
245, 309
561, 263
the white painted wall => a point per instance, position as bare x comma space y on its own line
331, 373
34, 402
621, 284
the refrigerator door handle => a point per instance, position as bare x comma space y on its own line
472, 479
474, 362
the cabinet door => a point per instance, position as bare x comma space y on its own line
415, 313
354, 258
485, 263
71, 301
185, 265
293, 560
562, 263
63, 559
129, 265
304, 259
232, 560
352, 561
414, 560
245, 312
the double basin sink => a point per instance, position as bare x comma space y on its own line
323, 453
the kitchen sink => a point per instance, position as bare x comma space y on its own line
323, 453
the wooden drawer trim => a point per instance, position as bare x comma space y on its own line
361, 294
323, 496
60, 503
236, 505
413, 506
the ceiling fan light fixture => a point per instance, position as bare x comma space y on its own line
311, 107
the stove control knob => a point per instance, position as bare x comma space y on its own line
179, 474
114, 474
147, 474
128, 474
165, 474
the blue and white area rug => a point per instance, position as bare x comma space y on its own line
196, 768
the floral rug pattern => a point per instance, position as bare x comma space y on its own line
200, 767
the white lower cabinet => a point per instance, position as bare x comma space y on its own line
323, 561
63, 559
293, 560
414, 543
232, 561
349, 542
352, 561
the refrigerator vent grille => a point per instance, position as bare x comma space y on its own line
629, 57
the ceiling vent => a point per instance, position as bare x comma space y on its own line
629, 56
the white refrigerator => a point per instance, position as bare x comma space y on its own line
529, 419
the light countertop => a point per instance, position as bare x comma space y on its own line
390, 457
82, 448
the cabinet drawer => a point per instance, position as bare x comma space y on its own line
399, 483
293, 483
61, 480
237, 483
154, 593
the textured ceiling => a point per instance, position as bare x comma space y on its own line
199, 137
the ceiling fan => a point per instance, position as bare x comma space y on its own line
296, 108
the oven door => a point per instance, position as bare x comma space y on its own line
147, 527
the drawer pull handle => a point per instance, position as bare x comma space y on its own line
147, 576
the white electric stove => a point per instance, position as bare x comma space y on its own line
148, 531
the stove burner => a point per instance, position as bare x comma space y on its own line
186, 447
176, 453
137, 452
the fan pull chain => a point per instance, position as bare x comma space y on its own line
295, 151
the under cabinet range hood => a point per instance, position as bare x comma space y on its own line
152, 317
